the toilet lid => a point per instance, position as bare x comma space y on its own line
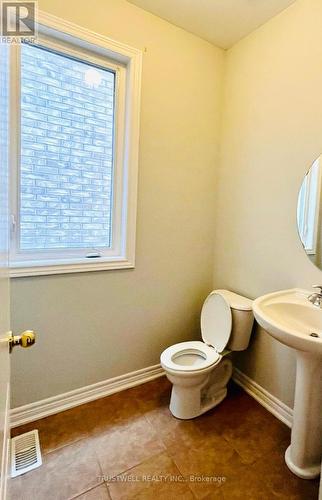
216, 321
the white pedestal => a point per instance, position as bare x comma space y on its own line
303, 456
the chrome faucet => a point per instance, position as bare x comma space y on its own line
316, 298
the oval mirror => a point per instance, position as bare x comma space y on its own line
309, 213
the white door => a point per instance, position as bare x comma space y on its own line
4, 278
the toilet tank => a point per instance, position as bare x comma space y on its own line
242, 320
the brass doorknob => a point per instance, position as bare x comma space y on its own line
26, 339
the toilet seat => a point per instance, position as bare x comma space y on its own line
216, 320
216, 325
189, 357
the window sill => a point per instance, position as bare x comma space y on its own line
20, 270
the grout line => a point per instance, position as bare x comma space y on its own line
87, 491
108, 491
182, 474
134, 466
137, 464
64, 446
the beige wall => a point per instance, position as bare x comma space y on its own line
94, 326
272, 132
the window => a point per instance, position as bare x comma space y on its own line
308, 208
74, 155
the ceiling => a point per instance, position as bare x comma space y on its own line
221, 22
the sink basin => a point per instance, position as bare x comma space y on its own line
292, 319
289, 317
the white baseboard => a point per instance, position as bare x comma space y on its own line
61, 402
56, 404
265, 398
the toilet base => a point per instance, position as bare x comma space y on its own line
190, 398
217, 398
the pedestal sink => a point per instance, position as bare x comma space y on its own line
292, 319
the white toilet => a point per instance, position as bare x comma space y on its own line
200, 371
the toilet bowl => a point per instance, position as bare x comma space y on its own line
200, 370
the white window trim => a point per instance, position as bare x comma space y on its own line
33, 257
129, 60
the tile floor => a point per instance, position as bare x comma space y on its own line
128, 446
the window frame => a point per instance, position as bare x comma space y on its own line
62, 37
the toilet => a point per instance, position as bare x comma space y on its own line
200, 370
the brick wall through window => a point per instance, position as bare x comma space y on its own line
67, 114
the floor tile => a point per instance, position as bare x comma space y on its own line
98, 493
111, 412
235, 451
216, 494
58, 430
207, 464
14, 488
65, 473
248, 427
235, 409
173, 431
154, 394
256, 437
244, 483
282, 483
155, 478
126, 446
